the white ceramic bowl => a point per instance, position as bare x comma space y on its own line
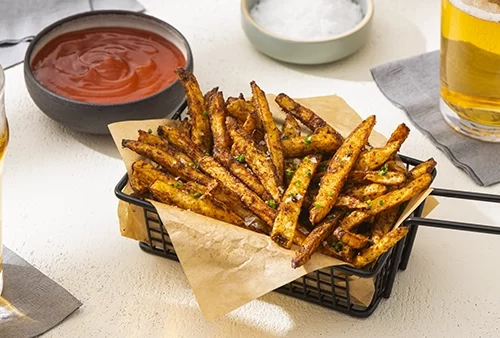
307, 52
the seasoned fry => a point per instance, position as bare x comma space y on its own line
338, 170
386, 178
222, 140
348, 253
288, 212
395, 166
198, 203
250, 125
175, 137
376, 157
200, 125
355, 241
163, 145
316, 237
231, 183
260, 164
384, 222
291, 127
326, 249
305, 115
387, 201
311, 144
240, 109
168, 161
208, 95
423, 168
144, 174
272, 133
185, 127
366, 192
251, 221
350, 202
370, 254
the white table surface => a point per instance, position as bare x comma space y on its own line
60, 211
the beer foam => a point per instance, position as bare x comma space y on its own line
482, 9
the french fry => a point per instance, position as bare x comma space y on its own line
272, 133
350, 202
316, 237
289, 209
144, 174
240, 109
348, 253
395, 166
250, 125
423, 168
185, 127
376, 157
305, 115
163, 145
326, 249
168, 161
251, 221
355, 241
310, 144
338, 170
366, 192
291, 127
260, 164
208, 96
387, 201
200, 125
370, 254
387, 178
222, 140
384, 222
198, 203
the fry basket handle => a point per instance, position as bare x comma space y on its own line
444, 224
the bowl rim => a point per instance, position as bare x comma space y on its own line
28, 71
366, 19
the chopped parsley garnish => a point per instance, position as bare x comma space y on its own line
306, 159
177, 185
348, 152
298, 183
338, 246
205, 113
271, 203
150, 131
330, 194
381, 202
369, 203
317, 205
308, 140
194, 165
291, 194
309, 174
207, 153
383, 170
196, 195
240, 158
289, 173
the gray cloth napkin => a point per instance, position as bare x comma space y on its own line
413, 85
31, 303
20, 19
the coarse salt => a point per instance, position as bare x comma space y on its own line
307, 20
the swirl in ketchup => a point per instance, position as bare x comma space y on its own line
107, 65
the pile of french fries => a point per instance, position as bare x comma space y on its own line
321, 192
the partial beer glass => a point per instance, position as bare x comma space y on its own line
4, 139
470, 67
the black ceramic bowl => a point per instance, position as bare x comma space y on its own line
91, 117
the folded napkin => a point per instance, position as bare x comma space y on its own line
22, 19
413, 85
31, 303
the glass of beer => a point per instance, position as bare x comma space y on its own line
4, 140
470, 67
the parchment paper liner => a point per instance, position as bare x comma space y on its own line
228, 266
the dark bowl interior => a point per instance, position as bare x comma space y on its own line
95, 118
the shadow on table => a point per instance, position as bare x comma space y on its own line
103, 144
391, 39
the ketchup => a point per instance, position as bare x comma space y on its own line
107, 65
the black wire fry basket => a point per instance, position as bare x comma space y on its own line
332, 287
